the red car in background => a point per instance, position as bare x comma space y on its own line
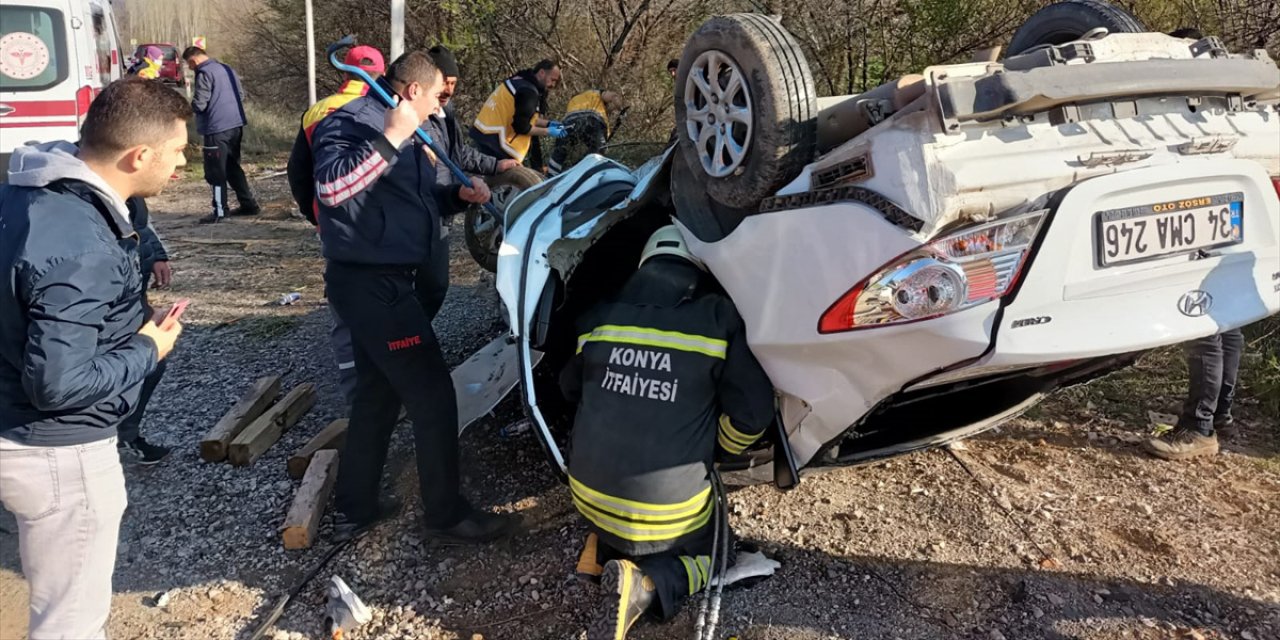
170, 68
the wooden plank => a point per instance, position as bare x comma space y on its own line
259, 436
331, 437
310, 500
213, 448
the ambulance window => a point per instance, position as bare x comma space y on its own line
102, 46
33, 48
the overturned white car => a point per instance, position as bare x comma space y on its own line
921, 262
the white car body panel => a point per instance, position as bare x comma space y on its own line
532, 235
785, 268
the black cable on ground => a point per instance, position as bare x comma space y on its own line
700, 622
284, 600
722, 523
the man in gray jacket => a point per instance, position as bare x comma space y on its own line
219, 107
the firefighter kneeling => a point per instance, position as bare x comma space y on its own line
662, 377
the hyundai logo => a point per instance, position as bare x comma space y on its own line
1195, 303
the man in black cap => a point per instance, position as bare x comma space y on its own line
444, 129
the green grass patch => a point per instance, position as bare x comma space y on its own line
270, 131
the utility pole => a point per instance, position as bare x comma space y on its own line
397, 28
311, 55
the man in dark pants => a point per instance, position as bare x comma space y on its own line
219, 107
153, 260
663, 376
1213, 365
433, 281
380, 212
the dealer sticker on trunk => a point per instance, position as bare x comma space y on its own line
1162, 229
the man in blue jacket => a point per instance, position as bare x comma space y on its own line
76, 343
219, 107
380, 219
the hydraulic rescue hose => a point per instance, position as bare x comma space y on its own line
387, 99
709, 610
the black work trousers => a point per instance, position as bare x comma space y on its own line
222, 168
398, 362
131, 427
1213, 364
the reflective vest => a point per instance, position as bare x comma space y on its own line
350, 90
664, 377
150, 69
495, 119
592, 101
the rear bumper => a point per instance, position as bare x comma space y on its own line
1069, 307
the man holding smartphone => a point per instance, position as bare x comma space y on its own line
76, 343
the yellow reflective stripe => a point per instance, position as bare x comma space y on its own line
625, 532
637, 510
620, 627
689, 572
637, 525
729, 445
738, 437
646, 337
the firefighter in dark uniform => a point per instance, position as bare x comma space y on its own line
662, 377
380, 219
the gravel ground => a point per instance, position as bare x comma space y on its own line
1053, 527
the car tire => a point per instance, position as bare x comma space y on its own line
1068, 20
483, 233
706, 219
760, 67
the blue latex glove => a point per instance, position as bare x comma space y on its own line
557, 130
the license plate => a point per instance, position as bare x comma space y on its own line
1167, 228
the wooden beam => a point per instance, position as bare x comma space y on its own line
259, 436
310, 501
260, 396
331, 437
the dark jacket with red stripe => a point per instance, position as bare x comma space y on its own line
377, 204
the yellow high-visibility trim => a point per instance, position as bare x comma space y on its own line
622, 530
732, 433
689, 572
620, 627
640, 510
647, 337
729, 445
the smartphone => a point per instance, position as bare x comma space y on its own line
174, 313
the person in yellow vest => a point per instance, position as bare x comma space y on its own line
149, 66
587, 121
515, 115
302, 184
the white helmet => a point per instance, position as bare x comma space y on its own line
667, 241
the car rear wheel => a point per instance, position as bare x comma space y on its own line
746, 108
1068, 20
483, 231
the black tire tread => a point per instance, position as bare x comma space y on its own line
1115, 18
792, 99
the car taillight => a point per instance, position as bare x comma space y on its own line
1275, 182
950, 273
84, 96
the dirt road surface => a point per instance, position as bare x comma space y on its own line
1054, 526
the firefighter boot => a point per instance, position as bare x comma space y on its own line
628, 595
